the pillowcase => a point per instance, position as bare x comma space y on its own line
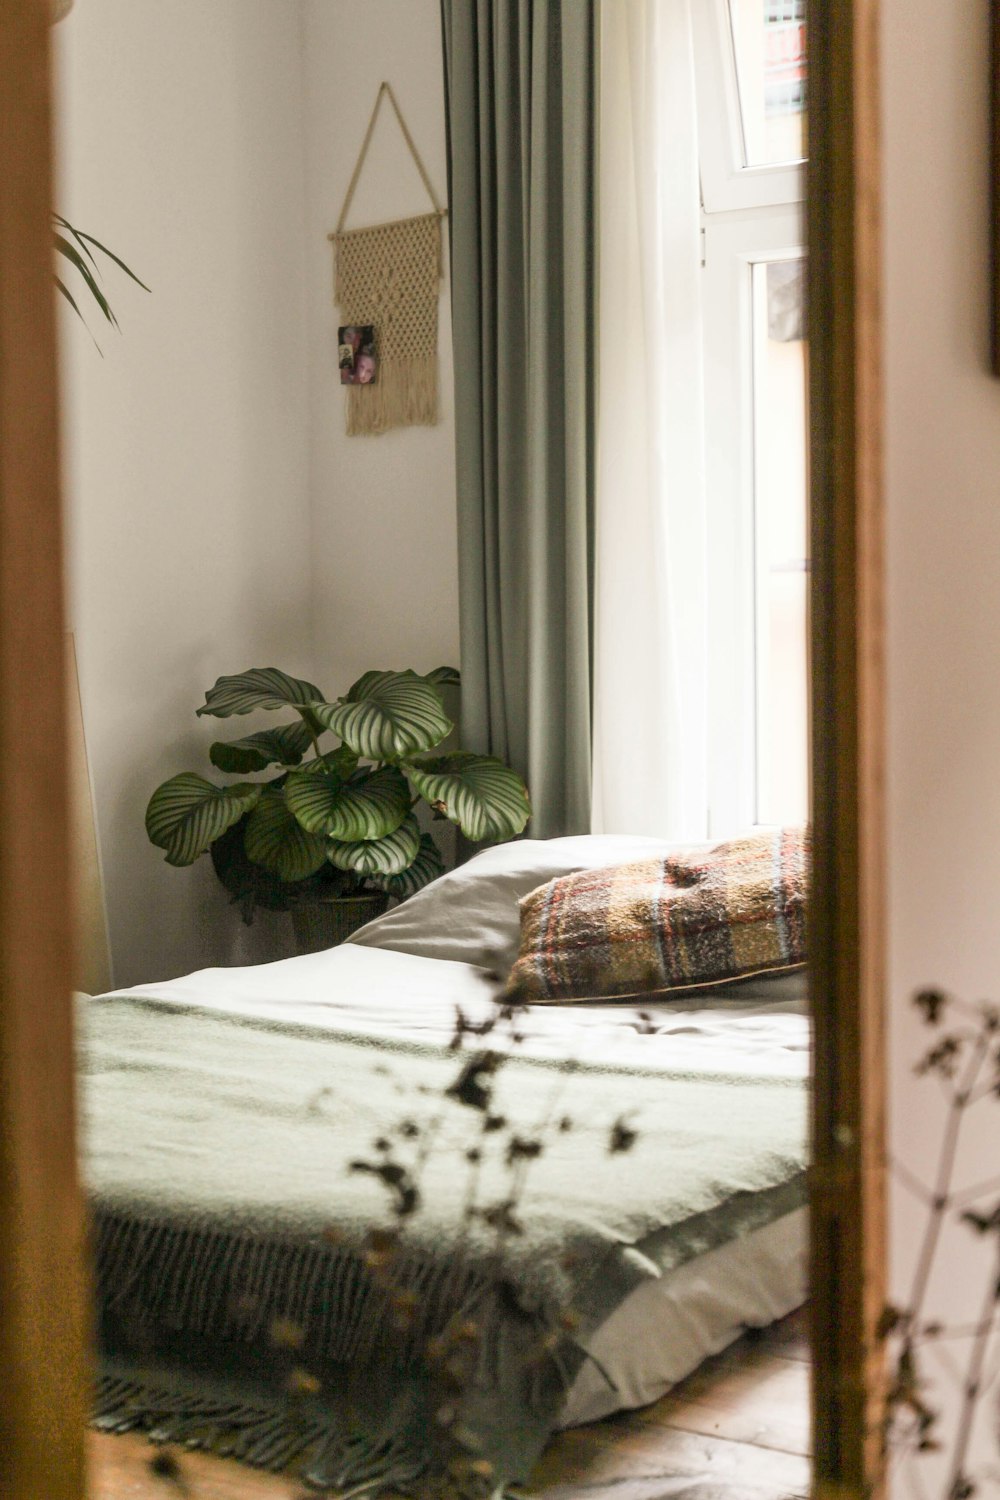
667, 925
471, 914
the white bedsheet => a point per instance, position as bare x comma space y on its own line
373, 990
666, 1327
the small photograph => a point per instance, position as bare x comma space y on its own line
357, 359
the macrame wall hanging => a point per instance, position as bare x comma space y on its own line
387, 283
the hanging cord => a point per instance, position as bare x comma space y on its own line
386, 88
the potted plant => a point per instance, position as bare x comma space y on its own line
331, 835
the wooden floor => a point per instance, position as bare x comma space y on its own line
738, 1429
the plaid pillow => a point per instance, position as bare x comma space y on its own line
667, 924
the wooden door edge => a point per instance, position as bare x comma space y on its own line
848, 925
42, 1320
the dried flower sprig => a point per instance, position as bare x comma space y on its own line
964, 1057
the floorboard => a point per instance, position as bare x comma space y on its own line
738, 1429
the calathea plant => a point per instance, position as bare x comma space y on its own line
341, 819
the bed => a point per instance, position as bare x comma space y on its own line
251, 1134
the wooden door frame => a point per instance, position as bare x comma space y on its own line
41, 1246
42, 1325
847, 916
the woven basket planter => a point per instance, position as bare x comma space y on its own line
325, 923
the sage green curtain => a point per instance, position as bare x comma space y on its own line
521, 109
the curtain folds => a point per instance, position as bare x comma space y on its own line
521, 109
650, 710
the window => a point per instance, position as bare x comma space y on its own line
751, 78
769, 40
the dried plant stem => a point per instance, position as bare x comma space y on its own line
941, 1200
973, 1386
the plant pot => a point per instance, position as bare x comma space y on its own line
325, 922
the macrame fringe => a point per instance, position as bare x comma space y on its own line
405, 394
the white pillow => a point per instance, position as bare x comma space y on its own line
471, 914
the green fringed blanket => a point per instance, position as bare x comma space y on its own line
247, 1180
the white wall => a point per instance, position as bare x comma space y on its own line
385, 571
219, 517
182, 147
943, 475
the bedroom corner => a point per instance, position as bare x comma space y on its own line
471, 1087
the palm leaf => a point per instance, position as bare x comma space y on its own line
388, 856
187, 814
478, 792
367, 807
64, 289
275, 839
387, 715
85, 240
427, 866
76, 259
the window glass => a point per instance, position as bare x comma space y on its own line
769, 39
781, 527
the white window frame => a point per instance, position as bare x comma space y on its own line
750, 215
727, 183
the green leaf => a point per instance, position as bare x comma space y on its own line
187, 814
65, 291
444, 677
73, 255
284, 746
478, 792
427, 866
388, 856
366, 807
388, 714
276, 840
343, 761
85, 240
249, 885
261, 687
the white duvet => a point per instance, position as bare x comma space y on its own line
374, 990
667, 1327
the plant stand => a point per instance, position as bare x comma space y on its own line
324, 923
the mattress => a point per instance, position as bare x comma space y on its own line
665, 1327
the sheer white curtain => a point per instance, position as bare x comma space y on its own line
650, 773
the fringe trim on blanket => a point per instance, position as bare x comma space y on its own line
232, 1287
405, 394
188, 1323
272, 1436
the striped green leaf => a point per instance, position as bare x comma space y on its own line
284, 746
387, 715
444, 677
388, 856
427, 866
366, 807
187, 814
483, 796
343, 762
275, 839
261, 687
